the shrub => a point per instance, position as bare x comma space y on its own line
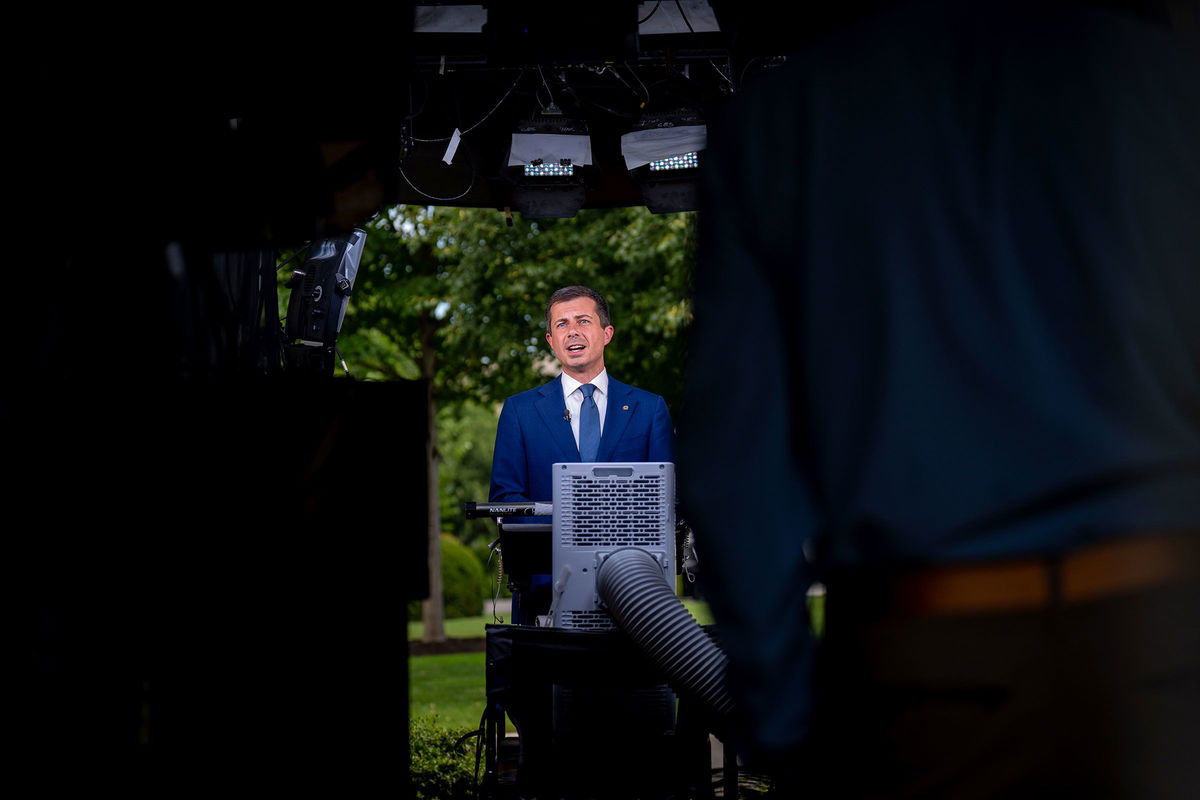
462, 581
439, 770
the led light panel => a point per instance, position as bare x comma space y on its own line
546, 169
684, 161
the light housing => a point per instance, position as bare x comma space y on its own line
662, 154
548, 160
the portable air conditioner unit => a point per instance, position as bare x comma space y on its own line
600, 508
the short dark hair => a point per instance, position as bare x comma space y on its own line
572, 292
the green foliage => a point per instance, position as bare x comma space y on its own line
440, 770
458, 296
466, 433
462, 581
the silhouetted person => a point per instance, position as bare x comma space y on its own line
946, 362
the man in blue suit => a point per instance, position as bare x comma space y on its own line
542, 426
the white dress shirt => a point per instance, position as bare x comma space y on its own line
573, 399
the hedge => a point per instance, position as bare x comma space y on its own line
439, 770
463, 581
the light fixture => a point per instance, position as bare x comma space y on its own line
662, 154
321, 288
547, 164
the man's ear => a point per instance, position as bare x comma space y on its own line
608, 334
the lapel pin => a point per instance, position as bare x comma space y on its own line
624, 408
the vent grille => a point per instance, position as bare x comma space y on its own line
599, 508
613, 512
587, 621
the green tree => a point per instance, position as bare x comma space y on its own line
455, 297
467, 432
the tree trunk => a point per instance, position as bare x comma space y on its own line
433, 610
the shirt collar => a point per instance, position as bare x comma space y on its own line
569, 384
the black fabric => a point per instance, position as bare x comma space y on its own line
945, 311
1099, 700
581, 698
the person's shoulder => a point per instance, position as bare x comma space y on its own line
616, 387
531, 395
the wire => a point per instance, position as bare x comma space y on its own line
414, 114
617, 75
606, 109
479, 743
679, 5
636, 78
494, 550
746, 66
722, 74
425, 194
653, 11
292, 257
459, 741
476, 125
543, 77
600, 72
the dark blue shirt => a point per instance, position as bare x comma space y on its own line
947, 308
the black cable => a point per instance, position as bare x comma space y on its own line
520, 74
459, 196
268, 309
292, 257
639, 79
425, 100
494, 550
542, 75
581, 102
746, 66
724, 77
624, 82
685, 19
480, 732
477, 732
653, 11
606, 109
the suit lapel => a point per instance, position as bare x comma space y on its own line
621, 407
550, 408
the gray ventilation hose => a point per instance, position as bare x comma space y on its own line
631, 583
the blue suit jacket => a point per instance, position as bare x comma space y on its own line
533, 433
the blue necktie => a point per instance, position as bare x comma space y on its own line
589, 425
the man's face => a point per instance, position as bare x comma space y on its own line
578, 337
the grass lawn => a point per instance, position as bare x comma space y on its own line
471, 627
452, 686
